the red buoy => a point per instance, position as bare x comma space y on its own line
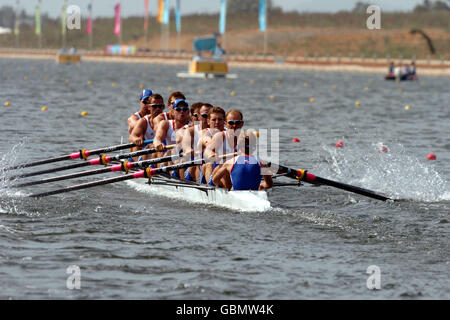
431, 156
383, 149
296, 140
339, 144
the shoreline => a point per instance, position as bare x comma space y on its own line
439, 68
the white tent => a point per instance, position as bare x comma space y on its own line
5, 30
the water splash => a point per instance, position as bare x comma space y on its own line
7, 160
394, 172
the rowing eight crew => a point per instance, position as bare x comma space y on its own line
201, 132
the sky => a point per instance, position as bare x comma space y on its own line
136, 7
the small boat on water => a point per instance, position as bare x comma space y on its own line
207, 61
404, 77
68, 57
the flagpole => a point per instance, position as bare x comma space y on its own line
64, 42
178, 25
17, 23
146, 24
40, 31
90, 34
120, 17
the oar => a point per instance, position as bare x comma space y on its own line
124, 166
76, 155
146, 173
102, 159
303, 175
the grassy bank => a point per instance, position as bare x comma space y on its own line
306, 34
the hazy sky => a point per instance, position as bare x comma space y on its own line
136, 7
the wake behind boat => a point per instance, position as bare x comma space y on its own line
173, 188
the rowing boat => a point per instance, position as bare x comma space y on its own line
158, 182
245, 201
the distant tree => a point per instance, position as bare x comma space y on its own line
247, 6
432, 6
360, 7
7, 17
440, 6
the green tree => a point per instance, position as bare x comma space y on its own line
360, 7
440, 6
432, 6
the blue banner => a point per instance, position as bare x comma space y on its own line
177, 17
223, 16
262, 15
166, 13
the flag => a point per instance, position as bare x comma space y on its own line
16, 26
64, 19
146, 15
262, 15
223, 15
117, 23
160, 10
166, 13
177, 17
17, 20
89, 22
37, 20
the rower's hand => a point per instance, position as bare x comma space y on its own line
263, 186
160, 147
138, 141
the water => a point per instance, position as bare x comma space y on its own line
316, 243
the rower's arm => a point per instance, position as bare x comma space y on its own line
160, 135
268, 181
219, 173
159, 118
187, 141
137, 134
211, 146
131, 123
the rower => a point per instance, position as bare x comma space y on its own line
143, 110
170, 115
243, 172
215, 123
191, 139
195, 110
171, 131
144, 129
224, 142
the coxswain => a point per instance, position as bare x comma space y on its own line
244, 171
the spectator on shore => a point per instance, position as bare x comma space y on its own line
412, 69
391, 67
405, 70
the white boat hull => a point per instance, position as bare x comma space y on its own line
235, 200
203, 75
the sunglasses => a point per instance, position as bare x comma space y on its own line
181, 109
157, 106
237, 122
204, 115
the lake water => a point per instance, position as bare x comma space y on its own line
316, 242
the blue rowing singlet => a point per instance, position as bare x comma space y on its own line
246, 173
